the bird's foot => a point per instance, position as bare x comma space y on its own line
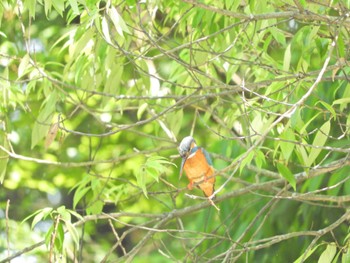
190, 186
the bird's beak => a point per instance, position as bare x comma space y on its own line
182, 166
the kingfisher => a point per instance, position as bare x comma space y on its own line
198, 166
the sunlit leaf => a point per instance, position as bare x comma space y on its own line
319, 141
247, 160
278, 35
74, 5
288, 143
39, 215
23, 66
3, 156
141, 110
105, 30
118, 21
287, 58
59, 6
81, 45
328, 254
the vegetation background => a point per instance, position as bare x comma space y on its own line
96, 95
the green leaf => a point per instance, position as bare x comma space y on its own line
247, 160
175, 121
73, 232
79, 194
95, 207
74, 5
48, 236
328, 254
346, 256
287, 174
341, 101
118, 21
154, 166
39, 215
141, 110
4, 157
112, 85
44, 119
59, 6
328, 107
59, 240
319, 141
30, 4
23, 66
105, 30
64, 213
278, 35
303, 257
287, 147
47, 7
259, 158
287, 58
82, 43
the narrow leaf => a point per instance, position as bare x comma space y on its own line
287, 174
141, 110
286, 146
247, 160
287, 58
105, 30
329, 253
118, 21
23, 65
319, 141
3, 157
79, 194
303, 257
73, 233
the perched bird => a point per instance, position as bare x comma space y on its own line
197, 165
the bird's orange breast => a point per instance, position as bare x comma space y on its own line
198, 170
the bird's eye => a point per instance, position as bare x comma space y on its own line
183, 153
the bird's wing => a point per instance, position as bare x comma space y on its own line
207, 156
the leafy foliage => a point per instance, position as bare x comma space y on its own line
95, 96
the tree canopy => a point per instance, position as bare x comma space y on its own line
96, 96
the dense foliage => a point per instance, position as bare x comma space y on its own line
96, 95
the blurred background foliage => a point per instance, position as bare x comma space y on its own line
96, 95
